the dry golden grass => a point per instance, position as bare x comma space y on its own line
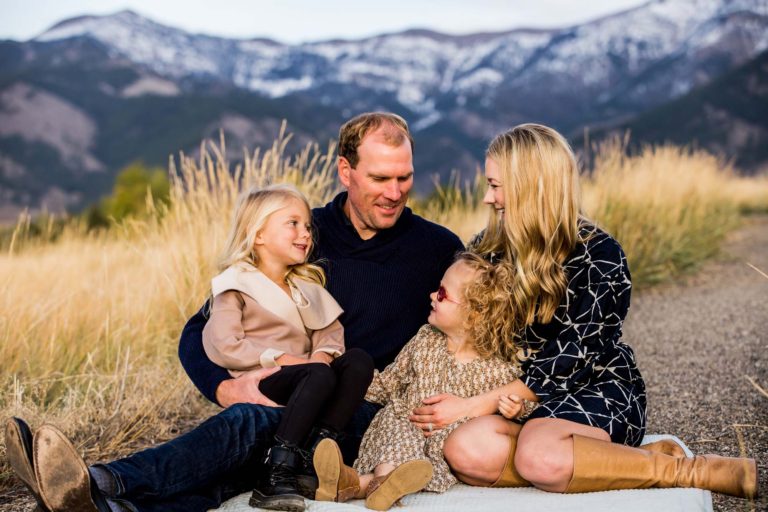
90, 323
668, 206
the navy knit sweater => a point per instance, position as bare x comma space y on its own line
383, 285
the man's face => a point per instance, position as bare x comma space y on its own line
378, 187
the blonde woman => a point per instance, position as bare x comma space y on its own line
568, 297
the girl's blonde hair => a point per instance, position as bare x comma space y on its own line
540, 224
489, 326
251, 214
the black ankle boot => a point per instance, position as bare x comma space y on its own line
277, 489
318, 434
306, 476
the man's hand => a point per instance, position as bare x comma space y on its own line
245, 389
439, 411
510, 406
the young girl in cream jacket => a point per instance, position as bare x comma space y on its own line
270, 309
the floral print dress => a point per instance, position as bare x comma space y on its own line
423, 368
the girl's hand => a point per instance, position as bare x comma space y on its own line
321, 357
290, 360
439, 411
510, 406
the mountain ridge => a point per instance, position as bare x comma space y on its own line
151, 90
728, 116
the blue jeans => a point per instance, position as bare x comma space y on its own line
214, 462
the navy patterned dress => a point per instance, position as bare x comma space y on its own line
577, 365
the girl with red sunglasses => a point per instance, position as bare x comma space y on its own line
461, 350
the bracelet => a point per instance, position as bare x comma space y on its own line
528, 407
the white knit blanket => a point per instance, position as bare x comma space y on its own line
464, 498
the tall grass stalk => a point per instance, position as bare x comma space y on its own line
89, 323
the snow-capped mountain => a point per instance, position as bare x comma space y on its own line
94, 93
613, 58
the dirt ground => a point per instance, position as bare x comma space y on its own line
701, 344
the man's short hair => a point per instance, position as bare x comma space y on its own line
353, 131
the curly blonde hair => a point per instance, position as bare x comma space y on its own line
540, 224
489, 326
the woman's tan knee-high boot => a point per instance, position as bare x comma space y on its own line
602, 466
665, 446
509, 476
335, 480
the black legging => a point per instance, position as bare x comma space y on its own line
319, 394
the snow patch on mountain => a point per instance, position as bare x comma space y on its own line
277, 88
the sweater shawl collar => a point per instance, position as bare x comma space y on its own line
343, 235
311, 307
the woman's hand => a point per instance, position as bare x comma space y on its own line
510, 406
440, 411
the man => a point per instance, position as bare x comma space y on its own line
381, 263
381, 260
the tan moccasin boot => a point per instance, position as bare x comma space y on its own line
335, 480
407, 478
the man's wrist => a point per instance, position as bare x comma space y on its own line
222, 393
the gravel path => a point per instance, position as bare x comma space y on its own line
698, 342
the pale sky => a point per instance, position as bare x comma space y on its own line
294, 21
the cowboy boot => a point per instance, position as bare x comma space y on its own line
407, 478
336, 481
602, 466
18, 446
62, 477
277, 489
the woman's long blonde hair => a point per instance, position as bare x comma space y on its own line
540, 224
251, 214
